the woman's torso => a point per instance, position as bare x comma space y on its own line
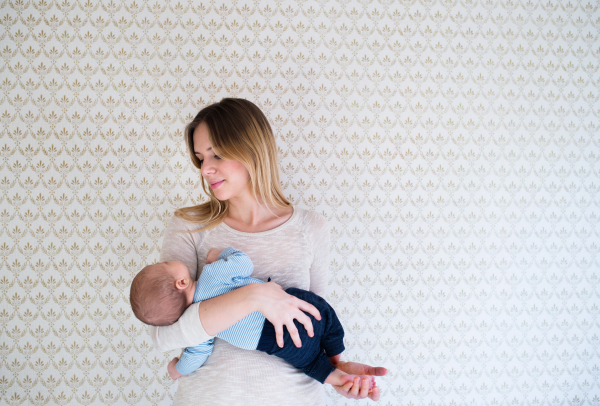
233, 376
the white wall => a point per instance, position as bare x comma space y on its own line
453, 146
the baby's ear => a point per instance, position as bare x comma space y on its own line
182, 284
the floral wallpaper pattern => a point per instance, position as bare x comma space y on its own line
453, 146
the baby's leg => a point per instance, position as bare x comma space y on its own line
332, 339
310, 358
335, 359
339, 378
329, 327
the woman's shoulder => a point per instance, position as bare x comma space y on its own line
311, 220
183, 222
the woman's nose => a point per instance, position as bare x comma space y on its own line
207, 169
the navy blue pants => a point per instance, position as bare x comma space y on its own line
310, 358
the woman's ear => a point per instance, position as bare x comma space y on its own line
182, 284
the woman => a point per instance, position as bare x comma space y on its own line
232, 144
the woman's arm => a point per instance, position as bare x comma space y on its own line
317, 233
206, 319
202, 321
221, 312
351, 389
182, 247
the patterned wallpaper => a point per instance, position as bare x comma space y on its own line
453, 146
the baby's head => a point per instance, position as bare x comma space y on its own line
159, 293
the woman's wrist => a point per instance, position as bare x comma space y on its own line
221, 312
254, 296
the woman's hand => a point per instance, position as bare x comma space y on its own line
281, 309
351, 390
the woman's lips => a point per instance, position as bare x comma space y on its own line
216, 184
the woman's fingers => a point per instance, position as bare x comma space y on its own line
291, 327
356, 368
346, 387
307, 307
375, 393
307, 323
364, 388
359, 389
279, 334
376, 371
355, 387
281, 309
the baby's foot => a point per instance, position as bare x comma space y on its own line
339, 378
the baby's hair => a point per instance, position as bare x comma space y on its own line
154, 298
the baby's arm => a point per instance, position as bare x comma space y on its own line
231, 264
191, 359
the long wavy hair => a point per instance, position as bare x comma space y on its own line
239, 131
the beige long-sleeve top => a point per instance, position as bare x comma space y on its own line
295, 254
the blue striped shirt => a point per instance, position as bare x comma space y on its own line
231, 271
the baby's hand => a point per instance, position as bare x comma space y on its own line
348, 381
213, 255
358, 388
173, 373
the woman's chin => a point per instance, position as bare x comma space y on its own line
220, 195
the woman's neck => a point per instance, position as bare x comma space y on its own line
248, 215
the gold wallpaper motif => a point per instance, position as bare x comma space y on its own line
452, 145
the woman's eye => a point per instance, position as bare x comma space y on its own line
202, 160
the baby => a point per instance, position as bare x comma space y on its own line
161, 292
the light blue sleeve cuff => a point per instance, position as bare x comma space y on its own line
228, 251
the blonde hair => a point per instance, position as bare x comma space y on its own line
237, 131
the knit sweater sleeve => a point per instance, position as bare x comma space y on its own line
182, 247
317, 233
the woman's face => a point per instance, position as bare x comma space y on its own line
227, 179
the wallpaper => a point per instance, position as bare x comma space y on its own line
453, 146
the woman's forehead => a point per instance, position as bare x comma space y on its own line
201, 139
